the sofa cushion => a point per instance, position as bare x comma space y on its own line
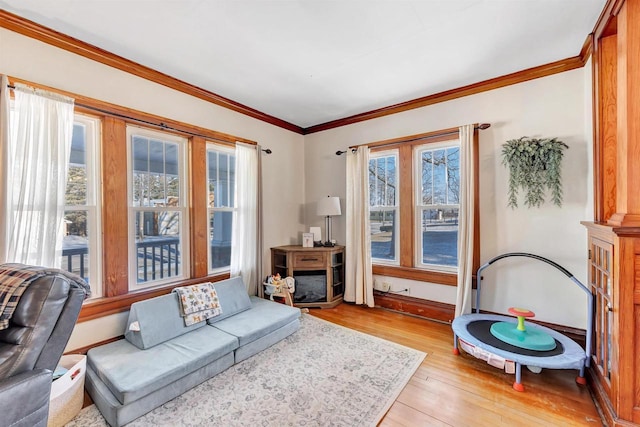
158, 320
233, 298
131, 373
264, 317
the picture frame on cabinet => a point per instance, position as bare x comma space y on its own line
307, 240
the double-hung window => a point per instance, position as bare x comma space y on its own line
384, 197
414, 191
221, 204
437, 184
158, 208
81, 242
149, 210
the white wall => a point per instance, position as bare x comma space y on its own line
29, 59
554, 106
303, 169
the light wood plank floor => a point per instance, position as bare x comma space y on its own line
450, 390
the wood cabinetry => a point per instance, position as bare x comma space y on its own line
601, 282
614, 269
318, 272
614, 237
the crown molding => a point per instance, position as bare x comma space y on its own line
46, 35
587, 49
472, 89
605, 25
97, 107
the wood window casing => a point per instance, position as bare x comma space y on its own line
114, 205
117, 296
407, 268
198, 204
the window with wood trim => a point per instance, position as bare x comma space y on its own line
81, 241
112, 237
383, 207
221, 181
81, 244
158, 201
437, 186
418, 239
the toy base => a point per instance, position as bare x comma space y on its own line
530, 339
581, 380
518, 387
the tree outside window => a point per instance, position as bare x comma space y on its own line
157, 206
221, 180
81, 241
438, 205
383, 206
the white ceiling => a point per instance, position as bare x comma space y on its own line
312, 61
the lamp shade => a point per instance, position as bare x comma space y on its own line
329, 206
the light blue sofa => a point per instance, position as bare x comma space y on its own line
164, 358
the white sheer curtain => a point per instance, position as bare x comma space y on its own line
39, 148
246, 237
358, 274
466, 225
4, 166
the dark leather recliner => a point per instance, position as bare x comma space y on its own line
31, 347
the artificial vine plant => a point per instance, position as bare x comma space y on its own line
534, 165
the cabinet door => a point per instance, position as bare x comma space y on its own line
601, 281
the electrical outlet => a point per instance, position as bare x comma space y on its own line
382, 286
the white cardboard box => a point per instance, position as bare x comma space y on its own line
67, 392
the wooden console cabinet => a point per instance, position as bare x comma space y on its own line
614, 236
614, 269
319, 273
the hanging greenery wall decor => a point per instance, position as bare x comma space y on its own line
534, 165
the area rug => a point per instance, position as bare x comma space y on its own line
322, 375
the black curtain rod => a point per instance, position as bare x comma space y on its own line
146, 122
338, 153
482, 126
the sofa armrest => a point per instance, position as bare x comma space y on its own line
24, 398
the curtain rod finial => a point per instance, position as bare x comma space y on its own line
484, 126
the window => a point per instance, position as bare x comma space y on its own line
81, 243
221, 180
158, 220
414, 186
437, 205
383, 206
155, 229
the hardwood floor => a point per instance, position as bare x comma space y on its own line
450, 390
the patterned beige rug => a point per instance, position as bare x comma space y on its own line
322, 375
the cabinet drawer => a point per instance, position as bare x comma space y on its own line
309, 260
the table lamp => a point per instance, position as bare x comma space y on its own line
328, 207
